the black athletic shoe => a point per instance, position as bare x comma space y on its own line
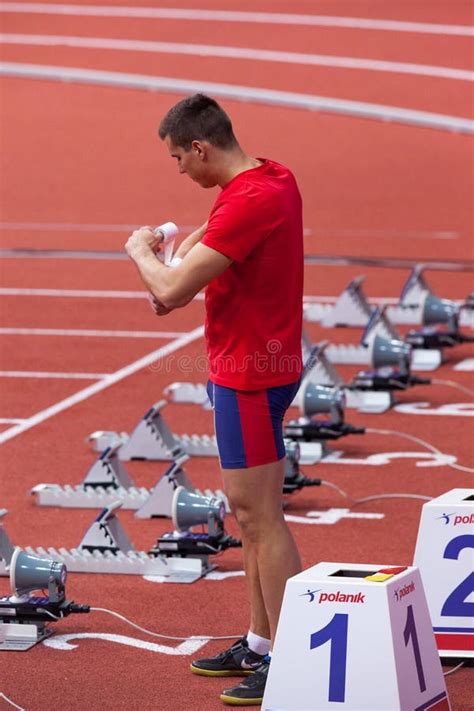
238, 660
250, 691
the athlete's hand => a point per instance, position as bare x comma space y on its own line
157, 307
142, 240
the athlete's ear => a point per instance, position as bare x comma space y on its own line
199, 149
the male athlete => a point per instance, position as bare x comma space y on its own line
249, 256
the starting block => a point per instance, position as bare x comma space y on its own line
107, 482
352, 308
444, 554
381, 325
152, 440
106, 548
320, 370
355, 637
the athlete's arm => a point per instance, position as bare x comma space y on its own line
190, 241
174, 288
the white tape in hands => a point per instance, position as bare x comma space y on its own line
169, 231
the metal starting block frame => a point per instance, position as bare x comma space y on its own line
106, 548
319, 369
153, 440
352, 354
108, 482
352, 308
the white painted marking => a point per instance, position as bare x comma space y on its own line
78, 227
454, 409
336, 232
44, 374
213, 575
256, 95
88, 333
330, 517
104, 294
465, 365
189, 646
262, 55
275, 18
428, 459
109, 380
75, 293
10, 421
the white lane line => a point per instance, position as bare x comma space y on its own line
263, 55
78, 227
337, 232
109, 380
88, 333
46, 374
276, 18
103, 294
257, 95
10, 421
84, 293
75, 293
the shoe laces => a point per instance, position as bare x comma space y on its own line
238, 646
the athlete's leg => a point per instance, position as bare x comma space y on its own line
259, 623
255, 497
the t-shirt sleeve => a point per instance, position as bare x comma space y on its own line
239, 224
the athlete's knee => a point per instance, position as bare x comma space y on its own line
254, 522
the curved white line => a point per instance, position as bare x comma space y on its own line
276, 18
263, 55
241, 93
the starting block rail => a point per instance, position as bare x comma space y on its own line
106, 549
108, 482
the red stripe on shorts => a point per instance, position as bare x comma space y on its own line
257, 428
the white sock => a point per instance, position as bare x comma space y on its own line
259, 645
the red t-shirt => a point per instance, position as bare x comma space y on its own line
254, 309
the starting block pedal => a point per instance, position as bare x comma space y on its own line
106, 548
444, 555
355, 637
152, 440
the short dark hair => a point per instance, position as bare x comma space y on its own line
198, 118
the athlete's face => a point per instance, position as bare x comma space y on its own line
192, 162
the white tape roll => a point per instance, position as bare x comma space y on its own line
169, 231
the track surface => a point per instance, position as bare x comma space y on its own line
81, 164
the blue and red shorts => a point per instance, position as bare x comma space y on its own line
249, 424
